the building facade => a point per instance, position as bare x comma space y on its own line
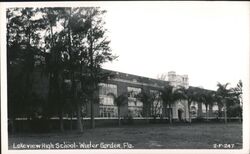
131, 86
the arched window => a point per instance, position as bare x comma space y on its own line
107, 94
135, 106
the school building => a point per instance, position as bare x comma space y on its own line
132, 85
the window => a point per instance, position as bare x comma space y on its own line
107, 94
105, 89
106, 100
135, 107
132, 92
108, 111
157, 106
193, 111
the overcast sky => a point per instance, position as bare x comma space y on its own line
208, 41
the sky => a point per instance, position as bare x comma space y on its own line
208, 41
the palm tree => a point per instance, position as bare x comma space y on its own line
169, 95
145, 97
148, 98
120, 100
189, 94
223, 95
238, 92
207, 98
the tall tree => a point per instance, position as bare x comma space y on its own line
86, 49
235, 102
22, 45
146, 98
75, 42
120, 100
97, 52
189, 94
55, 64
169, 95
207, 97
224, 95
238, 91
151, 101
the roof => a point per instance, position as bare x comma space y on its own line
136, 78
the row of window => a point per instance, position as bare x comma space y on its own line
108, 111
106, 89
108, 108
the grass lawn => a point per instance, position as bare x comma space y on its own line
151, 136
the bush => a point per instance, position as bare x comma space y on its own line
234, 111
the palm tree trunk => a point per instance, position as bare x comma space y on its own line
71, 121
92, 113
200, 110
189, 112
79, 119
225, 114
210, 110
206, 113
170, 114
12, 125
119, 117
61, 121
147, 114
219, 111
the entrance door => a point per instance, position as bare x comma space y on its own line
180, 114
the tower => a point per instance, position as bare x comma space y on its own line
178, 80
179, 108
172, 78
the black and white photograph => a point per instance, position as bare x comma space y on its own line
125, 76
